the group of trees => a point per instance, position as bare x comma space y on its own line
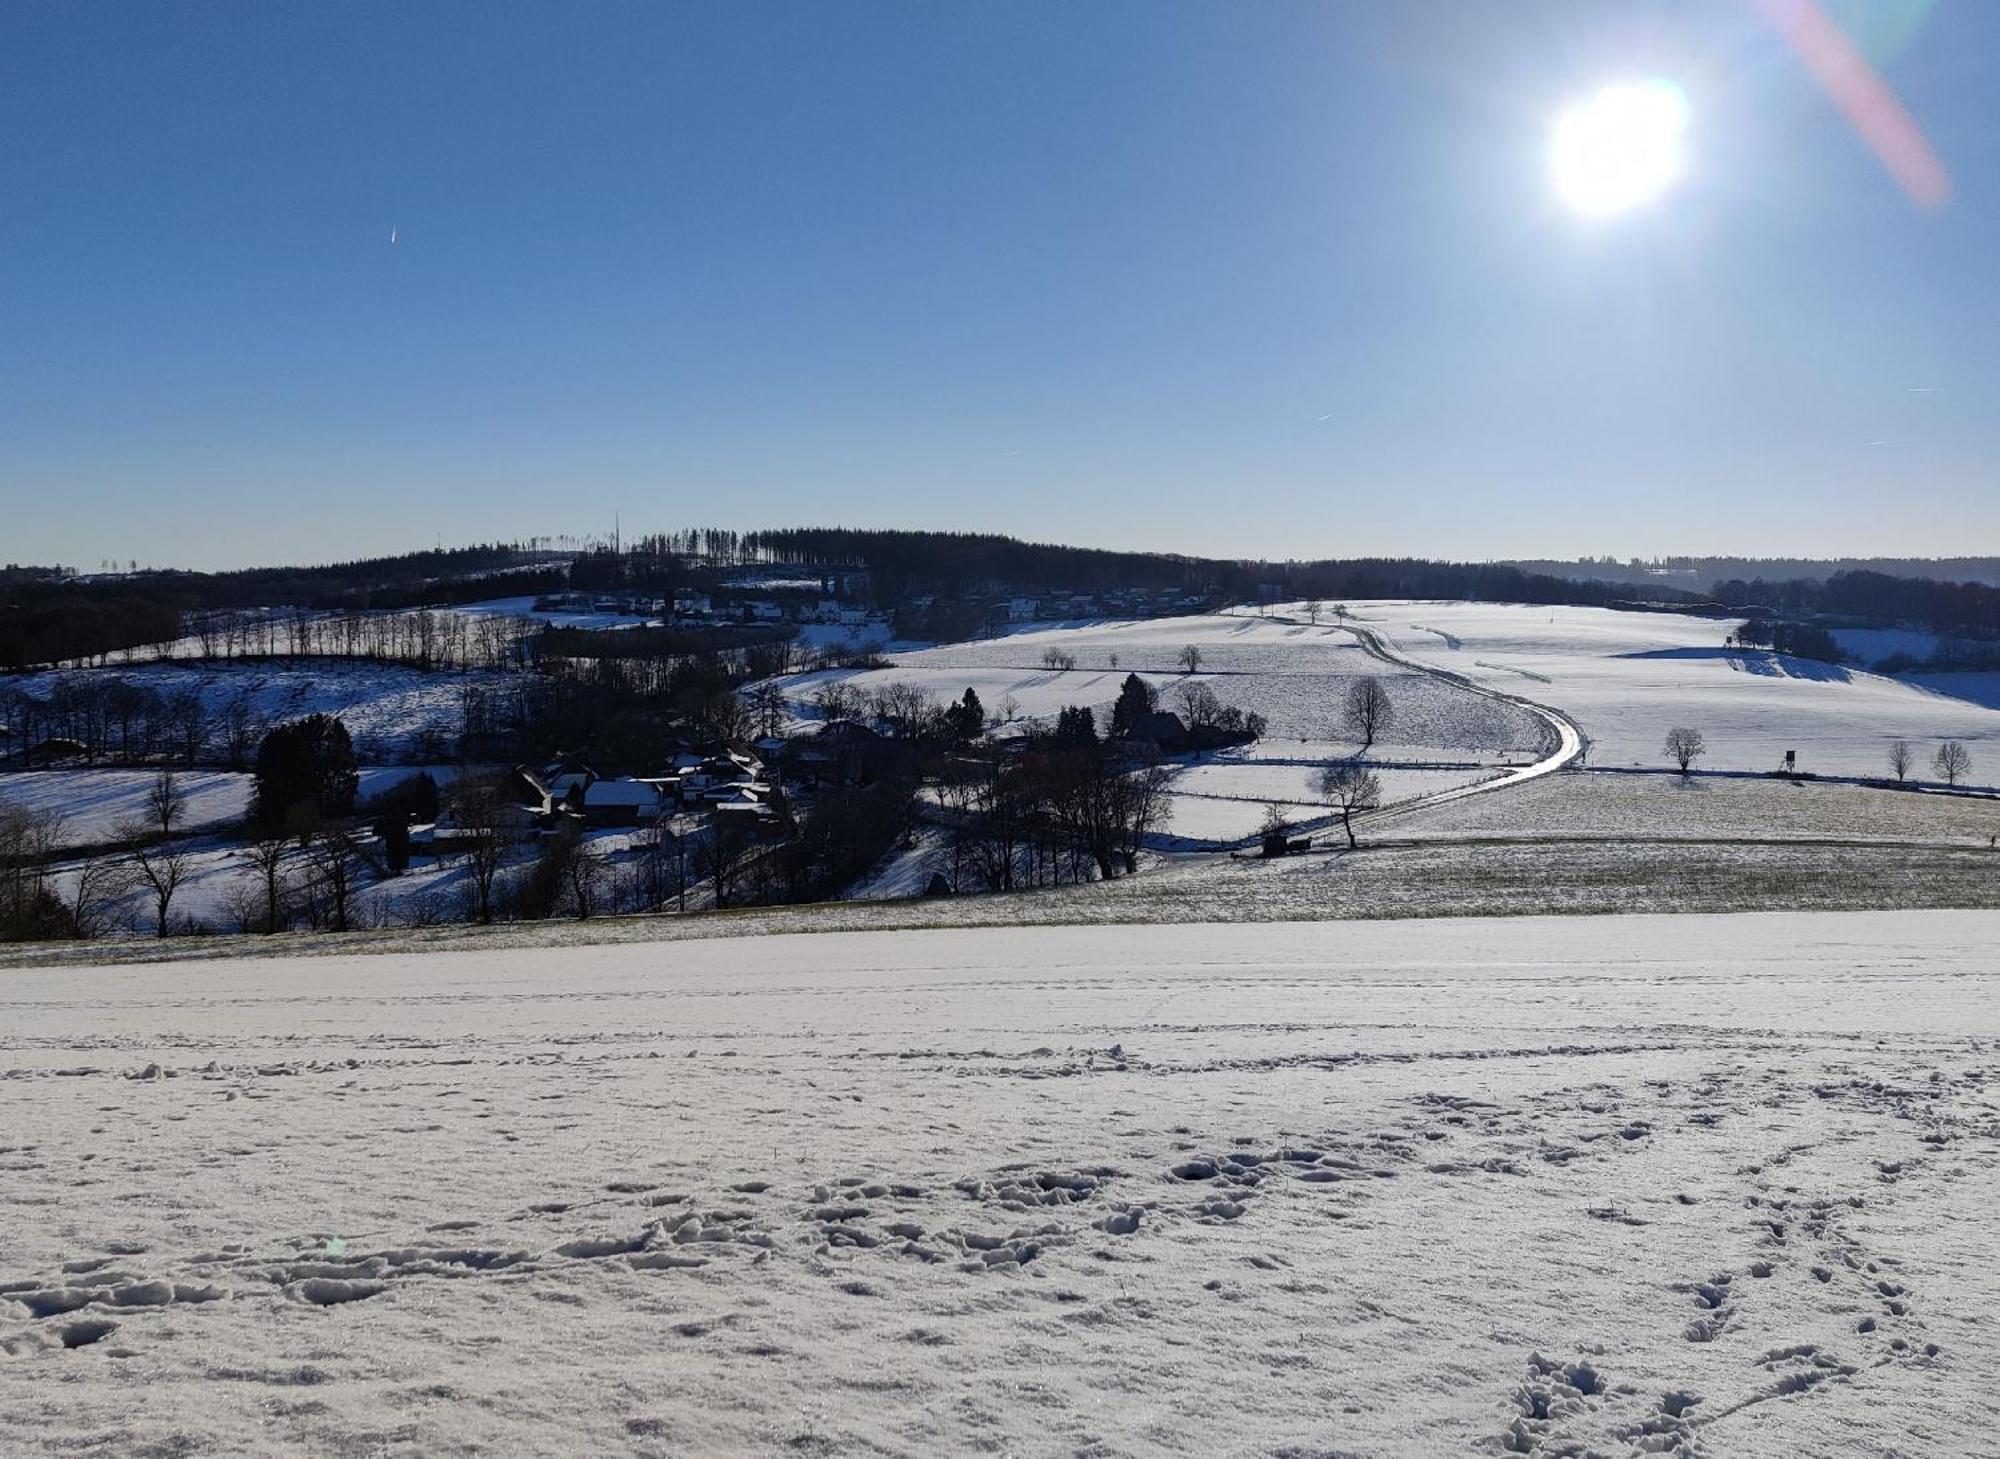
1801, 640
43, 623
53, 618
1961, 609
1951, 762
419, 638
1069, 806
126, 721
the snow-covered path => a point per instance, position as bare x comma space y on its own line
1721, 1185
1567, 739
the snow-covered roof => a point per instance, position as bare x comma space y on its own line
620, 792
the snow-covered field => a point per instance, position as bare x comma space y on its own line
1224, 800
94, 804
1612, 804
1870, 646
1295, 675
219, 894
1697, 1185
1626, 678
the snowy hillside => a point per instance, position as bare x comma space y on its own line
391, 711
1294, 675
1626, 678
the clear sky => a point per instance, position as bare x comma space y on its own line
1273, 279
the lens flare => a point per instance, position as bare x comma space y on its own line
1620, 149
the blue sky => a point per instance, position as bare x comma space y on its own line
1277, 279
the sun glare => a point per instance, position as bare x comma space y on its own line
1620, 149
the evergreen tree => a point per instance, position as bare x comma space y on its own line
1076, 726
308, 763
396, 845
1136, 700
966, 718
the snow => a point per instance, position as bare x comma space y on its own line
1295, 675
1691, 1184
877, 632
1872, 645
94, 804
1974, 686
388, 709
1626, 678
1628, 805
1223, 801
524, 607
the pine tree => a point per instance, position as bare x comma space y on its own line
1136, 700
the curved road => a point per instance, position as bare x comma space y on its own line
1569, 739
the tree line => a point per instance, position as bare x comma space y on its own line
1963, 609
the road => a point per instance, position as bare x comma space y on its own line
1569, 739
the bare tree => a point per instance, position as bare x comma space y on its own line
166, 802
28, 841
912, 710
1899, 759
1685, 746
162, 868
337, 863
586, 874
1313, 609
836, 701
661, 873
1352, 787
187, 717
1275, 829
1058, 661
1190, 659
1201, 706
101, 883
479, 811
1953, 762
719, 855
266, 856
767, 707
1368, 710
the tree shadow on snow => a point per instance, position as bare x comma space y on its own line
1754, 661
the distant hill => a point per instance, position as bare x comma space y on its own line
1701, 574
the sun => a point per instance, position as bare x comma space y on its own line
1620, 149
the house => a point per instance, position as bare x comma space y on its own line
843, 753
622, 802
756, 815
565, 778
525, 785
509, 823
1163, 728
